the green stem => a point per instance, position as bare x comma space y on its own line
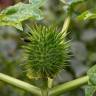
68, 86
20, 84
44, 92
44, 87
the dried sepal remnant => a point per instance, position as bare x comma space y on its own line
47, 52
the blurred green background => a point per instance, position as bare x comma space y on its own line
83, 47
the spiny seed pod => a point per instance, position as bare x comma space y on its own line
47, 52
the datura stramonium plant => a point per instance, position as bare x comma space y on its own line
47, 52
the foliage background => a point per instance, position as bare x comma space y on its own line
83, 47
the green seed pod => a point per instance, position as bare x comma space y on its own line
47, 52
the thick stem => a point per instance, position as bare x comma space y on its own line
44, 87
44, 92
68, 86
20, 84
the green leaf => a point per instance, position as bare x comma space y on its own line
90, 90
70, 4
92, 75
38, 3
73, 3
17, 25
15, 15
87, 15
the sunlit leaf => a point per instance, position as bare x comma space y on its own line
17, 25
90, 90
15, 15
70, 4
87, 15
37, 3
92, 75
73, 1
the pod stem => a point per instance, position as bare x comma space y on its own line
44, 87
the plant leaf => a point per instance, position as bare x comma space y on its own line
38, 3
15, 15
70, 4
87, 15
17, 25
92, 75
90, 90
